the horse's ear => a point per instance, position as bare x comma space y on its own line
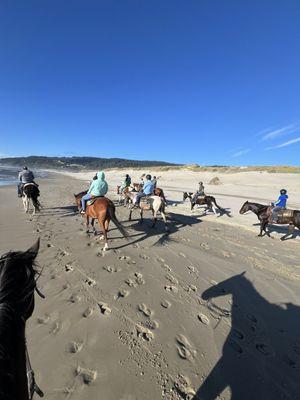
32, 252
243, 273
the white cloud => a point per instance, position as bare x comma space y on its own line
286, 130
241, 153
288, 143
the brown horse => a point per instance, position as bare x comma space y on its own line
102, 209
263, 212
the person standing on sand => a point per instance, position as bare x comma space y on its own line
98, 188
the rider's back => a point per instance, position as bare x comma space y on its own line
26, 176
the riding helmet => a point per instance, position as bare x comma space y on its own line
148, 177
283, 191
25, 167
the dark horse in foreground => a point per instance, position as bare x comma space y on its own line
104, 210
30, 192
17, 286
263, 212
260, 355
208, 201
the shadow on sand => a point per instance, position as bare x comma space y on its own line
261, 355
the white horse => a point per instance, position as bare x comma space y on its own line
154, 203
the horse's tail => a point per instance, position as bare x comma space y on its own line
32, 193
223, 210
112, 215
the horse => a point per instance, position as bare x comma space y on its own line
209, 201
156, 204
263, 212
104, 210
17, 286
31, 192
259, 351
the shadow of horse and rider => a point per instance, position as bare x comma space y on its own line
261, 355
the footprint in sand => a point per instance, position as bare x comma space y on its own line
182, 255
55, 328
110, 268
144, 333
69, 268
252, 318
44, 319
130, 282
264, 349
161, 260
192, 288
171, 289
204, 245
191, 268
171, 279
123, 293
184, 348
90, 282
235, 346
237, 334
74, 347
203, 318
75, 298
145, 310
50, 245
86, 313
151, 324
104, 309
139, 278
88, 375
144, 257
184, 387
165, 304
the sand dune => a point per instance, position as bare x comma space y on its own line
208, 310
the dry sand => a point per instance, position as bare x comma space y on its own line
145, 320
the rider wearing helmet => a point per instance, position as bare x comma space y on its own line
148, 189
25, 176
200, 192
279, 205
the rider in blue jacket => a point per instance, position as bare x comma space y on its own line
279, 205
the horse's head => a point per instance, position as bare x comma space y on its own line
245, 207
78, 197
17, 280
223, 288
187, 195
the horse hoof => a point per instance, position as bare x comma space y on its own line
105, 247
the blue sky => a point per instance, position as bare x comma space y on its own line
201, 81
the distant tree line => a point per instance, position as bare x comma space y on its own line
79, 163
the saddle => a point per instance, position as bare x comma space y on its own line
92, 201
145, 202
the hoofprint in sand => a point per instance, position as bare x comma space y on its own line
151, 319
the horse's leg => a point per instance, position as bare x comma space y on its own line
154, 218
101, 220
130, 213
263, 225
93, 226
141, 215
291, 230
165, 220
87, 222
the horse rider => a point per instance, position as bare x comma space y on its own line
154, 181
98, 188
199, 193
148, 189
25, 176
126, 183
279, 205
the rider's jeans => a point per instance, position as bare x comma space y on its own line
84, 199
274, 212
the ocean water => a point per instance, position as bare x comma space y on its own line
9, 175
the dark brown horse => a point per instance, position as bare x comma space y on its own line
104, 210
263, 212
208, 201
17, 286
31, 192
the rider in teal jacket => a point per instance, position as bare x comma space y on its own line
98, 188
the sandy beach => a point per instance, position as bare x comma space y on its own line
208, 311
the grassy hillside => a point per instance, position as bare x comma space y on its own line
79, 163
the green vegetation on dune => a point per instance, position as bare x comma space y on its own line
79, 163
